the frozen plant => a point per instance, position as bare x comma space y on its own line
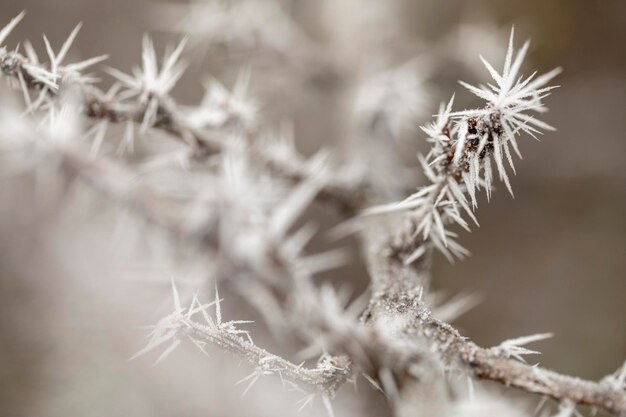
215, 178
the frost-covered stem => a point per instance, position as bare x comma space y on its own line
330, 373
449, 170
491, 365
560, 387
416, 388
347, 196
397, 290
398, 294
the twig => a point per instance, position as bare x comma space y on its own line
397, 283
349, 197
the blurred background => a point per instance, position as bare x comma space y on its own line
550, 260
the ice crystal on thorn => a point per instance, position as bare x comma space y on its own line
11, 62
56, 73
510, 104
618, 379
515, 347
464, 146
220, 107
63, 121
150, 83
180, 324
567, 409
6, 31
70, 71
513, 95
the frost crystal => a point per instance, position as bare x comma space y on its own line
464, 145
150, 83
220, 107
515, 347
618, 379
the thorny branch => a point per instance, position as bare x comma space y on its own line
347, 196
396, 294
330, 373
398, 342
397, 283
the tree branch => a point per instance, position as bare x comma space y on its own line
348, 196
486, 364
397, 293
397, 283
330, 373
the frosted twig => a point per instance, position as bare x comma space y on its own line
330, 373
458, 352
460, 162
162, 113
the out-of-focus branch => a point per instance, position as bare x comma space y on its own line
117, 184
369, 349
347, 196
